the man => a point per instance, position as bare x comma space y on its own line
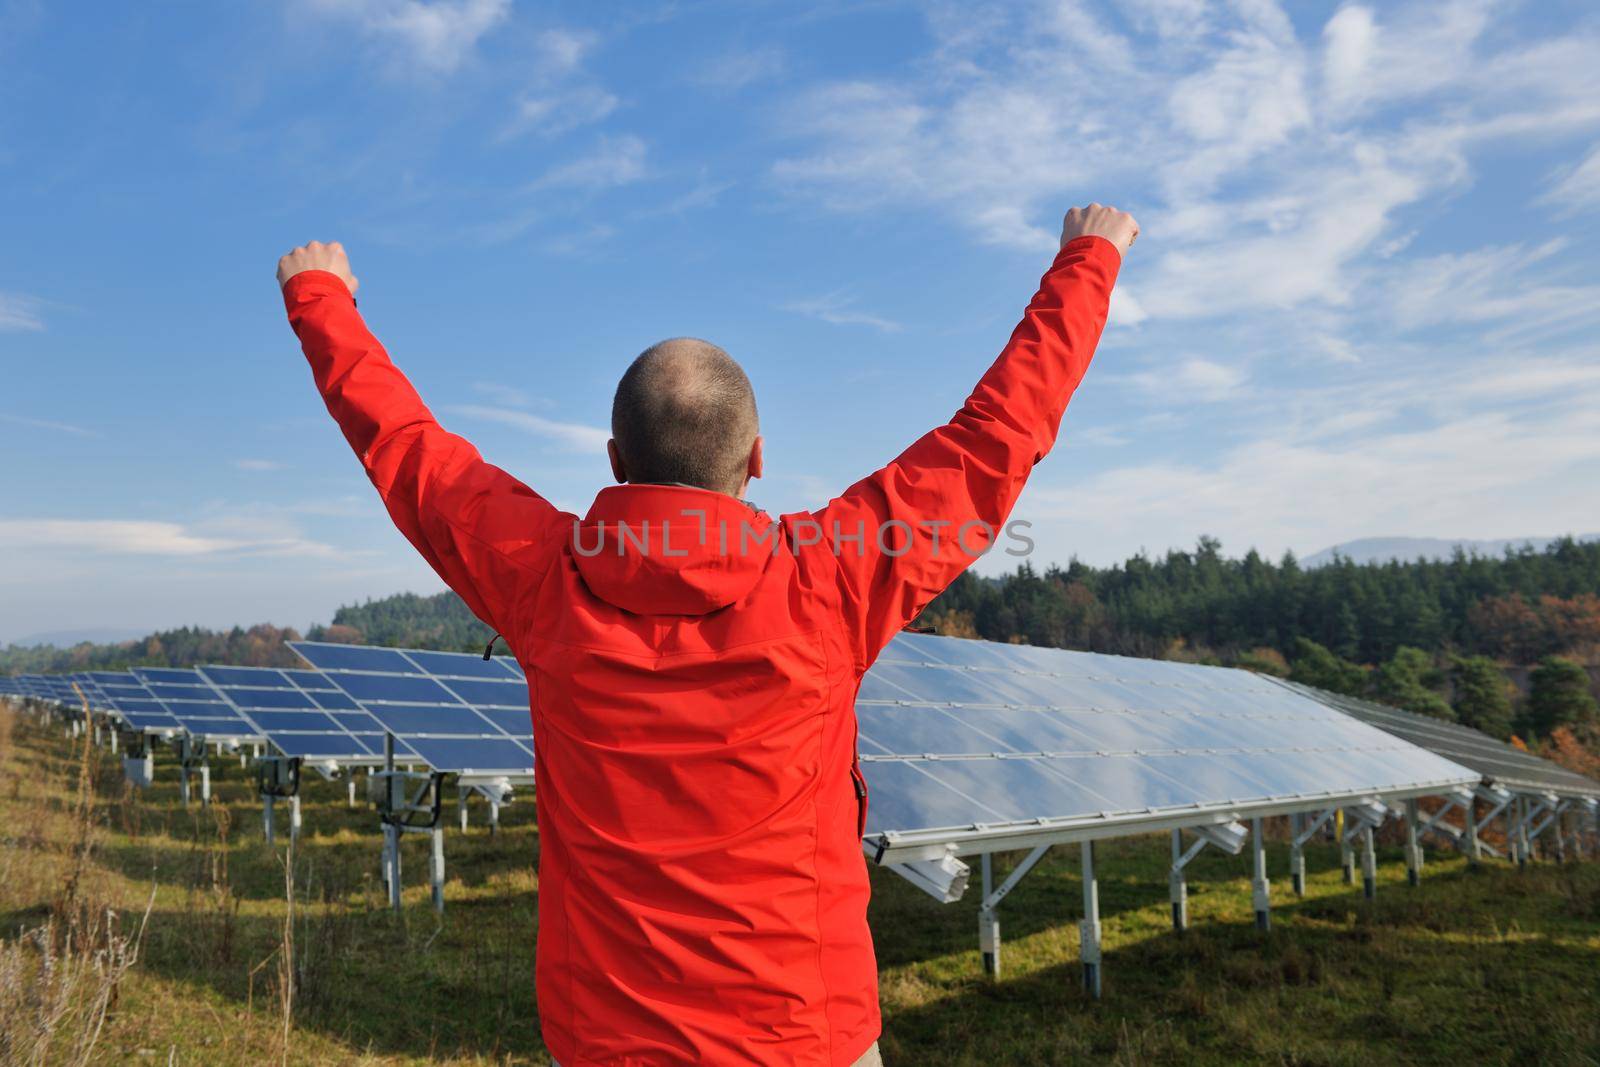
693, 664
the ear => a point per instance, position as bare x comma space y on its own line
615, 456
753, 469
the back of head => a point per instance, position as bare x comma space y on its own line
685, 412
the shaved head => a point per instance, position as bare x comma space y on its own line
685, 412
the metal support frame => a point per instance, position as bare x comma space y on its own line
191, 759
278, 776
1260, 886
350, 784
988, 909
408, 802
1413, 848
1089, 928
1227, 836
495, 793
1301, 834
1347, 852
1369, 865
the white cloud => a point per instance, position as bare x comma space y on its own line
48, 424
553, 114
1191, 380
258, 464
138, 537
19, 312
435, 36
741, 68
1578, 188
614, 161
572, 436
838, 309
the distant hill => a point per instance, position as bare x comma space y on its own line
68, 638
1406, 549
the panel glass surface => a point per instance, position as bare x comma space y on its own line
290, 709
957, 734
198, 707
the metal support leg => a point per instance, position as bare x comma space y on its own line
436, 868
1369, 865
1474, 847
1559, 828
1524, 846
391, 845
1347, 852
205, 783
1297, 855
494, 817
350, 802
1179, 886
461, 806
266, 816
988, 922
1413, 849
294, 817
183, 784
1089, 929
1260, 887
114, 740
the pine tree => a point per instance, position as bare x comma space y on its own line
1483, 695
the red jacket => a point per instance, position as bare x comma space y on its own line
702, 888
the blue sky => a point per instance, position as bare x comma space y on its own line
1364, 302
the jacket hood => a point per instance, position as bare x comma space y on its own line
671, 550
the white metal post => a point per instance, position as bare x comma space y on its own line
1524, 846
1369, 865
988, 920
266, 816
1347, 852
1179, 885
494, 817
114, 732
1413, 849
1297, 855
183, 781
205, 783
1089, 928
461, 807
350, 788
294, 817
1260, 888
436, 868
1474, 848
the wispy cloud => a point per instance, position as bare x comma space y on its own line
19, 312
138, 537
48, 424
740, 68
258, 464
572, 436
839, 309
555, 113
433, 36
1191, 380
1577, 187
614, 161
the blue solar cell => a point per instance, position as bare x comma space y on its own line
259, 677
269, 698
307, 679
168, 674
354, 658
471, 754
333, 700
368, 688
410, 719
490, 694
275, 722
323, 746
460, 665
514, 722
172, 692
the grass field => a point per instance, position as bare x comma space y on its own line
1490, 966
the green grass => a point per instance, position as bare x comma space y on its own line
1492, 966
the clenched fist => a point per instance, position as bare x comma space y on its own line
318, 256
1097, 220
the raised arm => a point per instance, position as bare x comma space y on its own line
477, 526
903, 534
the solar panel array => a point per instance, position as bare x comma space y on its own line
1498, 762
964, 738
299, 712
199, 708
458, 713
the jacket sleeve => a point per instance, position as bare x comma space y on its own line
478, 527
903, 534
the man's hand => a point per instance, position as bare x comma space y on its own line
318, 256
1097, 220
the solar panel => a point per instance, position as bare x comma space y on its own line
140, 711
1499, 763
970, 742
198, 707
300, 713
461, 714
